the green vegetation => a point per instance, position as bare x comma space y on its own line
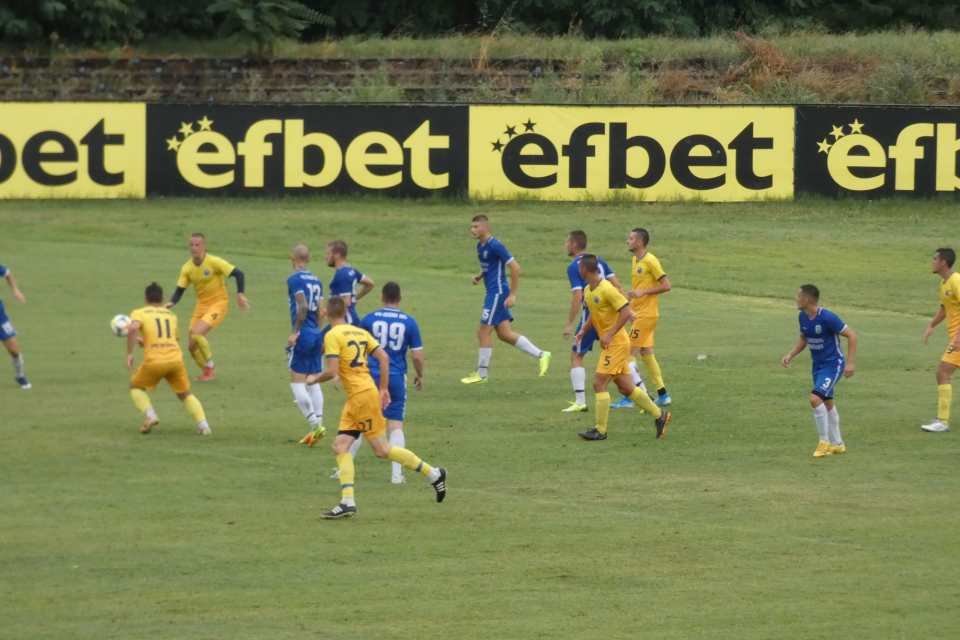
727, 528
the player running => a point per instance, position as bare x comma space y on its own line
304, 345
820, 330
942, 265
576, 245
501, 296
609, 312
346, 349
345, 279
162, 359
207, 273
8, 335
648, 281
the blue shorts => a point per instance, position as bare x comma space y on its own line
493, 310
6, 329
586, 344
306, 356
398, 395
825, 378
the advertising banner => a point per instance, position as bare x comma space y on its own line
649, 153
877, 151
272, 150
80, 150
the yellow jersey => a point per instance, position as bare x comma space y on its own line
208, 278
645, 273
604, 304
950, 299
158, 326
352, 345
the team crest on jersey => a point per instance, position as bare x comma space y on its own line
484, 254
640, 270
818, 330
596, 300
206, 272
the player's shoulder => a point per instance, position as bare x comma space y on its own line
830, 316
3, 271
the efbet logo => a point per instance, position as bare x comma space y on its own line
663, 152
208, 159
859, 162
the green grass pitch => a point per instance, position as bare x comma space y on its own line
726, 528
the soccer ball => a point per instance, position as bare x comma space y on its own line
120, 325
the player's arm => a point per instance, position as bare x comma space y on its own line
583, 330
384, 361
576, 303
612, 279
331, 365
663, 285
514, 267
851, 350
133, 332
417, 357
800, 345
623, 316
368, 285
937, 319
17, 295
477, 278
242, 301
302, 310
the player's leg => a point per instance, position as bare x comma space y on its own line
944, 392
341, 446
601, 405
506, 334
305, 358
436, 475
146, 377
394, 413
193, 345
822, 421
644, 329
179, 381
485, 335
636, 378
578, 378
624, 381
833, 428
212, 316
7, 335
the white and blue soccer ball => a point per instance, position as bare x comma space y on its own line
120, 325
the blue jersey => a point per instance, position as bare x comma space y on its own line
577, 284
493, 263
823, 336
396, 332
312, 289
344, 283
3, 274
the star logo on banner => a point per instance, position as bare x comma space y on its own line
856, 127
497, 146
824, 146
205, 124
186, 128
529, 125
837, 132
510, 132
173, 144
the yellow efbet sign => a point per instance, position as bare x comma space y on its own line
80, 150
648, 153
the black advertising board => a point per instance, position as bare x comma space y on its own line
272, 150
877, 151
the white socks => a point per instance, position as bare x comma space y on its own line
356, 446
150, 413
820, 417
635, 376
210, 362
483, 363
578, 376
833, 424
434, 475
527, 347
397, 440
316, 397
17, 366
304, 402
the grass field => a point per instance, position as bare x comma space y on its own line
726, 528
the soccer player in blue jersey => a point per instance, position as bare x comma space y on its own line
820, 330
8, 335
346, 279
576, 245
495, 260
305, 345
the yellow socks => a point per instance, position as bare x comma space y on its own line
203, 347
650, 362
142, 400
197, 356
194, 408
643, 401
603, 411
408, 459
345, 463
945, 393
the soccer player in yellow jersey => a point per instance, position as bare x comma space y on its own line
942, 265
162, 360
648, 281
609, 312
346, 348
207, 273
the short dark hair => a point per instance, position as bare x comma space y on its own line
811, 290
480, 218
336, 308
948, 255
199, 235
153, 293
391, 292
643, 235
579, 238
589, 262
339, 247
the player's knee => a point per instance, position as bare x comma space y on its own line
183, 396
382, 452
815, 400
598, 386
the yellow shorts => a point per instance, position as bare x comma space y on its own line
362, 414
952, 355
213, 313
615, 360
149, 374
641, 332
